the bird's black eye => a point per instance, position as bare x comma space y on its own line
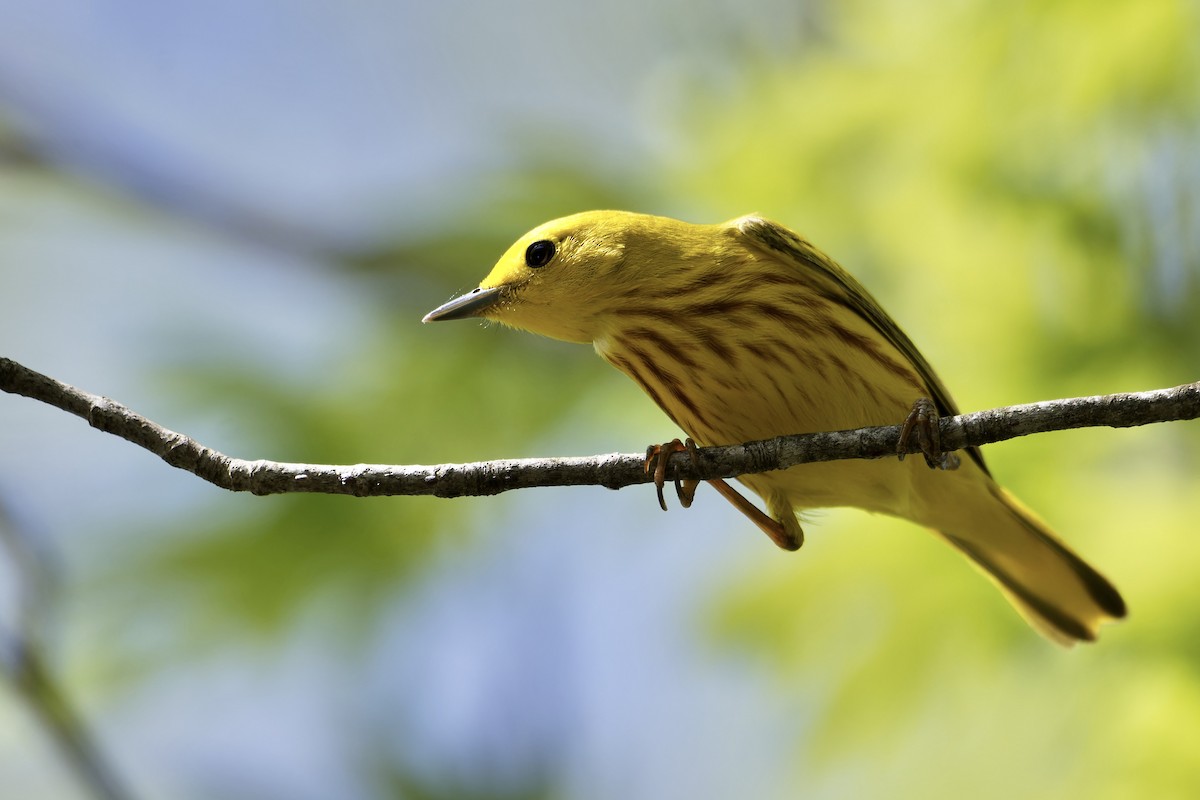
539, 253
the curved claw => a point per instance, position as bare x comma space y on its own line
686, 491
923, 422
654, 457
657, 457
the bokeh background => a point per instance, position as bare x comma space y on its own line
231, 217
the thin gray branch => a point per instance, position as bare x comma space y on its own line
614, 470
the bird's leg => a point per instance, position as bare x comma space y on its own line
657, 457
922, 422
771, 527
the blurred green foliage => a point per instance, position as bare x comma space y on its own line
988, 171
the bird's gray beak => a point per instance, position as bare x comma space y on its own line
470, 304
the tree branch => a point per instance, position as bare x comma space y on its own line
614, 470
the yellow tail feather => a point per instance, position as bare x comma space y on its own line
1059, 594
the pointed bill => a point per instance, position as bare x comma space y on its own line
471, 304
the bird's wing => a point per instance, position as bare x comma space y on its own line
840, 287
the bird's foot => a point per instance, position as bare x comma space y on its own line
657, 457
922, 422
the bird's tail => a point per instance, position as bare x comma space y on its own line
1059, 594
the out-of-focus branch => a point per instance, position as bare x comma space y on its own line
23, 665
614, 470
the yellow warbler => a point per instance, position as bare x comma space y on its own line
745, 331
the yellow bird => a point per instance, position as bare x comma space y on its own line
743, 331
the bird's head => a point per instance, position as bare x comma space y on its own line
564, 279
